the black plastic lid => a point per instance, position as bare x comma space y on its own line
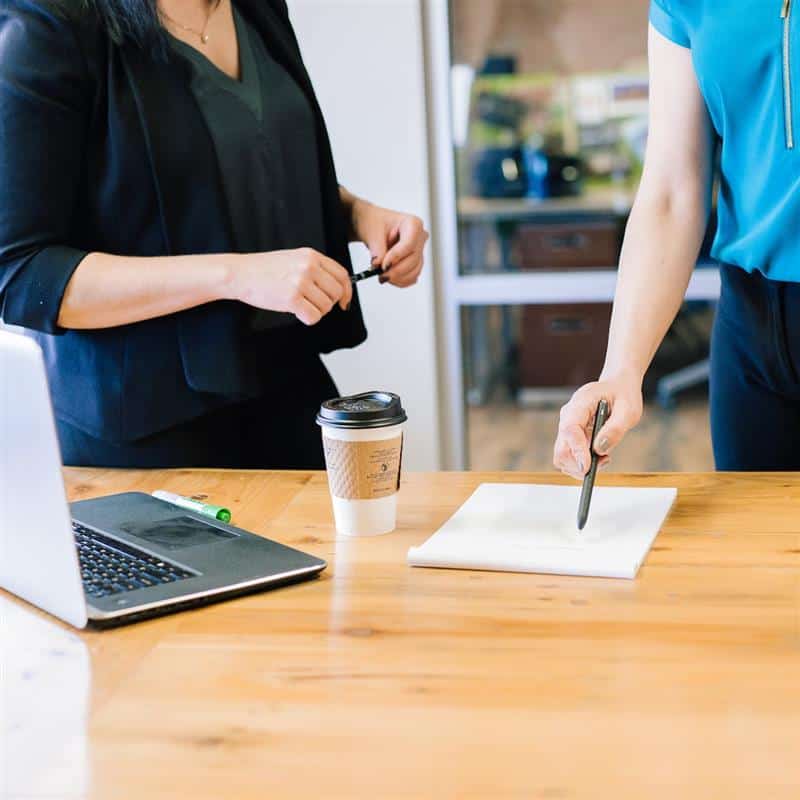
367, 410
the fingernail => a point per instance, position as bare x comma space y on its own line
347, 307
578, 460
602, 445
387, 267
581, 467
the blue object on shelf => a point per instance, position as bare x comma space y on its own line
550, 175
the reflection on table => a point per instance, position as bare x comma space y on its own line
45, 710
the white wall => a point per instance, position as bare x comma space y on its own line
366, 61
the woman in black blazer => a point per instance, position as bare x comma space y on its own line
172, 231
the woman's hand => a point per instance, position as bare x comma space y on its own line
302, 282
571, 454
395, 241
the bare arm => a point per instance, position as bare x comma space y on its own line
670, 214
106, 290
662, 242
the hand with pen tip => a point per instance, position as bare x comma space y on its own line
572, 454
396, 241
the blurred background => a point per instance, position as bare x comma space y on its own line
517, 129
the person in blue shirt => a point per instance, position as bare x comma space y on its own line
723, 76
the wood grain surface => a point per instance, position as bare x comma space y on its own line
381, 681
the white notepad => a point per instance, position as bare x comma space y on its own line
531, 528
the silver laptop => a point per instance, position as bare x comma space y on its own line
113, 559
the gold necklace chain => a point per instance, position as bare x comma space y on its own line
201, 33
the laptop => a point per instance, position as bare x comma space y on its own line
114, 559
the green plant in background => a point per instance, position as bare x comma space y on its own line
599, 116
543, 97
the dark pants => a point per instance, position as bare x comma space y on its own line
274, 432
755, 363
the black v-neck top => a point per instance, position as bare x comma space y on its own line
263, 131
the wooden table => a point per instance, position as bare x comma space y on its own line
383, 681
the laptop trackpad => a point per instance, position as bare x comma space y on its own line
175, 533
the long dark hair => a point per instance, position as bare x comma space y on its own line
135, 21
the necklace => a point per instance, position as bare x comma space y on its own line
201, 33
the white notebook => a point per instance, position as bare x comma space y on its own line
532, 528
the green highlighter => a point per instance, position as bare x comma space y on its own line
215, 512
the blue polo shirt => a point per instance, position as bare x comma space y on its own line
746, 55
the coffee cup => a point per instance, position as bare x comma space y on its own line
363, 440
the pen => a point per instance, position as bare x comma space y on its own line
215, 512
588, 479
362, 276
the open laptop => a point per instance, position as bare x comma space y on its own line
112, 559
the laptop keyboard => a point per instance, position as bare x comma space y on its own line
111, 567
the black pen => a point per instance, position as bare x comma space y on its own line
588, 480
362, 276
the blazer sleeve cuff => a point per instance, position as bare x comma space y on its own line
33, 297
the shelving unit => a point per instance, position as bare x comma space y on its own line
578, 286
483, 282
584, 286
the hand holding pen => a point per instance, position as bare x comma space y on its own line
396, 241
572, 453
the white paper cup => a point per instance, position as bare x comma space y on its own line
363, 455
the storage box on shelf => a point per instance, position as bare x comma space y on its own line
561, 346
582, 244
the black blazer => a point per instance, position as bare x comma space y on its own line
103, 148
